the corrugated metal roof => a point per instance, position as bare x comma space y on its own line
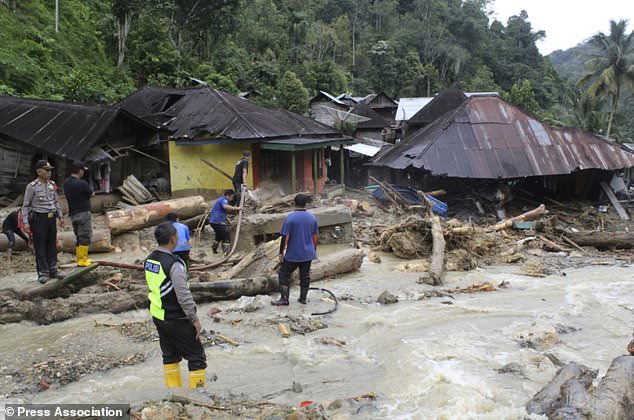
438, 106
363, 149
202, 113
408, 107
486, 137
374, 121
327, 96
64, 129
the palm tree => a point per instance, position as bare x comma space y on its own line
612, 68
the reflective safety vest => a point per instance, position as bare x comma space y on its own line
162, 297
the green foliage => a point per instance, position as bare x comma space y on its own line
291, 93
523, 96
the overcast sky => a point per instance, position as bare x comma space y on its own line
566, 22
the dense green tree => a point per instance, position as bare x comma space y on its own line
523, 96
291, 93
612, 68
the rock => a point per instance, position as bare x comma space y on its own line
513, 368
245, 304
537, 337
195, 412
335, 405
386, 298
374, 257
297, 387
213, 311
417, 266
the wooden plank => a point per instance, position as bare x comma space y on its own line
52, 287
615, 202
211, 165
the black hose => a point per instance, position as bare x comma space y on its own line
333, 296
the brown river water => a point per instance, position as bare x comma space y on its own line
434, 358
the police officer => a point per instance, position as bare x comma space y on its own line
40, 211
174, 311
78, 193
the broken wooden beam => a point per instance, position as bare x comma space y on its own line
615, 202
529, 215
52, 287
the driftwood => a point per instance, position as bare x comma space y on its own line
529, 215
552, 245
52, 287
437, 266
603, 240
139, 217
100, 242
570, 396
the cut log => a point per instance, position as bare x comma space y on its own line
437, 266
100, 242
529, 215
332, 265
603, 240
570, 394
151, 214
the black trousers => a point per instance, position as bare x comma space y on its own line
287, 268
237, 188
183, 255
178, 341
44, 230
221, 233
11, 237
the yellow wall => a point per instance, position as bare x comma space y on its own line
189, 175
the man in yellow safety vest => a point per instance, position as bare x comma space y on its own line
174, 311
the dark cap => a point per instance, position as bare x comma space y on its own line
43, 164
76, 166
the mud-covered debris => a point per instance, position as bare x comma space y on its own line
386, 298
300, 324
65, 371
246, 304
537, 337
475, 288
331, 341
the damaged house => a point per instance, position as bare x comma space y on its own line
485, 139
205, 124
112, 142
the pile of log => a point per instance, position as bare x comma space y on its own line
282, 204
134, 192
571, 395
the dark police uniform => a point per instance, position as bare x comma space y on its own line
41, 210
78, 194
238, 178
173, 310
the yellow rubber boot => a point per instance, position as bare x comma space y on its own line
197, 378
173, 375
82, 256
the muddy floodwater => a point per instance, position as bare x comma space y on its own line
479, 355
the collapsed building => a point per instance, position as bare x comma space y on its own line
111, 141
465, 141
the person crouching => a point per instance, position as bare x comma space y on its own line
173, 310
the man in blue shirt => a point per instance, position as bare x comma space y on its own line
218, 221
298, 248
182, 248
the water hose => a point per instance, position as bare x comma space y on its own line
243, 193
333, 297
198, 267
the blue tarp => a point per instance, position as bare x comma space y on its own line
412, 197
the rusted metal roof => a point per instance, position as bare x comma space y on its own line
208, 114
486, 137
64, 129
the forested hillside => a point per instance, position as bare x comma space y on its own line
286, 49
571, 65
